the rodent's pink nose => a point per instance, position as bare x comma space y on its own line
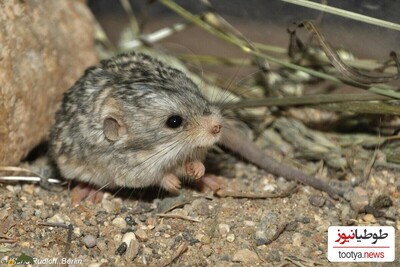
216, 129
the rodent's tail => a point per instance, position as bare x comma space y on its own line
235, 141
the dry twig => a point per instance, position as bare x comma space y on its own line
178, 216
239, 194
180, 250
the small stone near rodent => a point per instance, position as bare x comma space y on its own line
119, 222
317, 201
108, 206
223, 228
359, 199
121, 249
207, 251
133, 249
90, 241
59, 218
230, 238
291, 226
102, 245
382, 201
141, 235
142, 218
128, 237
200, 206
274, 256
261, 238
129, 220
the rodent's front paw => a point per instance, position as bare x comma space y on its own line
171, 183
83, 192
195, 169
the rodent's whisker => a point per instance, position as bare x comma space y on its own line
242, 90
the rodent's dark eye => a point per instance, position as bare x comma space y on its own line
174, 121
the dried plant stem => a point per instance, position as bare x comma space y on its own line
155, 36
179, 251
178, 216
366, 64
303, 100
345, 13
132, 19
28, 179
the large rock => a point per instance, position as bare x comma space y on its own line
45, 45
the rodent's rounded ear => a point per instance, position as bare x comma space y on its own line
113, 128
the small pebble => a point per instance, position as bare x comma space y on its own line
200, 206
133, 249
44, 214
223, 228
59, 218
205, 239
151, 223
117, 202
369, 218
141, 235
119, 222
77, 231
25, 244
230, 238
382, 201
128, 237
269, 188
102, 245
274, 256
39, 202
89, 241
129, 220
359, 199
142, 218
316, 200
28, 188
14, 189
245, 256
107, 205
207, 250
291, 226
261, 238
121, 249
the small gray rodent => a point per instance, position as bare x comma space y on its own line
133, 121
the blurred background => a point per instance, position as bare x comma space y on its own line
260, 21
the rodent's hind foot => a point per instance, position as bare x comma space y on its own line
210, 181
195, 169
171, 183
83, 192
